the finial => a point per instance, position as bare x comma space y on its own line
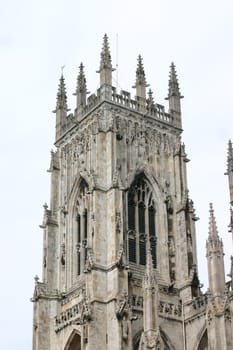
149, 273
61, 95
45, 206
62, 69
150, 100
213, 231
173, 84
36, 278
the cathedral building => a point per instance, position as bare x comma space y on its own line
119, 247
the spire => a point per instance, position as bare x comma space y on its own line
230, 170
140, 84
173, 85
213, 231
105, 64
214, 247
61, 95
174, 96
81, 89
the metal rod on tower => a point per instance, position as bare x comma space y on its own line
117, 61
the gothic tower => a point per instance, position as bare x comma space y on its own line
119, 247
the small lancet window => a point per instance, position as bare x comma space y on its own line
141, 221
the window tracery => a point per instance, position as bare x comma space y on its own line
141, 221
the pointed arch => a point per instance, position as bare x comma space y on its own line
75, 191
74, 341
202, 339
166, 340
78, 226
150, 178
203, 345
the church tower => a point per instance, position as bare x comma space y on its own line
119, 247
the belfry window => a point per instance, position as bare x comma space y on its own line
81, 227
141, 221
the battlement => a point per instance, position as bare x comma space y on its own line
143, 102
124, 99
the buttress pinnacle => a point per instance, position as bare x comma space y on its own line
140, 73
140, 84
81, 80
106, 68
173, 84
61, 95
105, 56
81, 88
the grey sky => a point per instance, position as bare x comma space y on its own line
36, 39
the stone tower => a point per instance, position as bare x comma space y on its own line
119, 247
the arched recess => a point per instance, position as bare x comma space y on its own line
74, 342
203, 344
81, 216
202, 339
78, 221
141, 220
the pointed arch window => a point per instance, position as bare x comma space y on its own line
141, 221
81, 227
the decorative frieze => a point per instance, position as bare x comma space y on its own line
170, 310
79, 313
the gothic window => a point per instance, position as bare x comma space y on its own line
141, 221
81, 227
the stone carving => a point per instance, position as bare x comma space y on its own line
151, 339
200, 301
80, 313
90, 260
125, 315
118, 222
39, 290
169, 309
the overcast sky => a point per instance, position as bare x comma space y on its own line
36, 39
